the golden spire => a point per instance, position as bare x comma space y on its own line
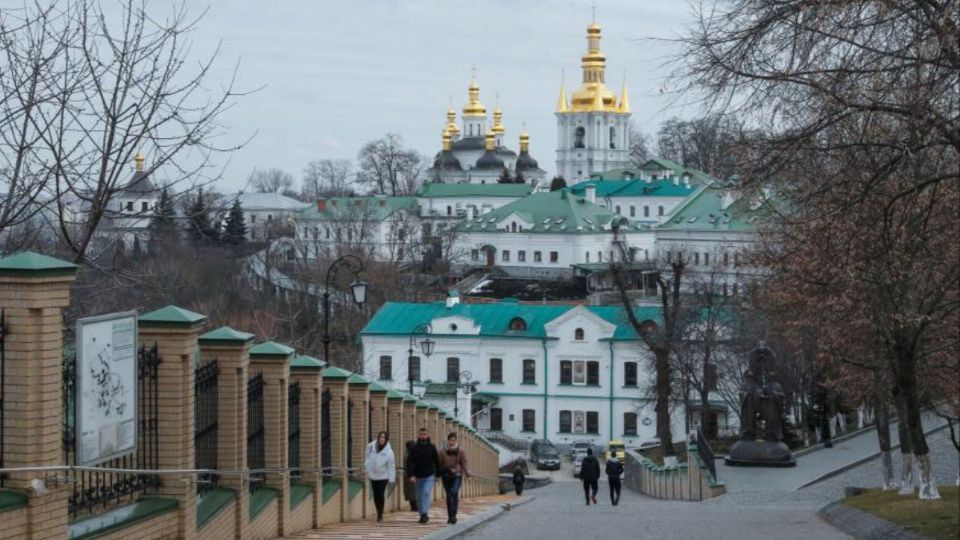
562, 100
524, 140
473, 106
593, 94
452, 123
138, 162
498, 128
624, 98
490, 140
445, 138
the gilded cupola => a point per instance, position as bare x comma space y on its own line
473, 106
451, 125
593, 94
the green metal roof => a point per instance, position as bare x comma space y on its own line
270, 348
373, 208
333, 372
410, 397
400, 318
393, 394
487, 399
422, 404
171, 316
30, 263
377, 387
555, 212
440, 389
704, 212
433, 407
225, 334
357, 379
438, 190
634, 188
306, 362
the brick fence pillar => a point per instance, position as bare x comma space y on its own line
359, 393
273, 361
396, 430
175, 332
378, 409
335, 380
231, 349
308, 372
34, 290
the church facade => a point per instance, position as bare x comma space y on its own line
593, 125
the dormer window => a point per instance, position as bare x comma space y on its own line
518, 323
578, 334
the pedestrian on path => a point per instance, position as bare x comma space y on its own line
590, 475
381, 467
453, 469
409, 488
518, 480
614, 471
422, 465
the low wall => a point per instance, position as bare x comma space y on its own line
689, 481
14, 523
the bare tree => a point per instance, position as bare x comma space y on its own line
388, 168
327, 178
271, 181
706, 144
639, 145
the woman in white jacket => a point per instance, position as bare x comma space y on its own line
380, 465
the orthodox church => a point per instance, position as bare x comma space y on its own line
476, 153
592, 126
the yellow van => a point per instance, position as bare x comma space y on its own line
615, 450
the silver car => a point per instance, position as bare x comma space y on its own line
578, 462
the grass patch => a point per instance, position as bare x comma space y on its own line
936, 519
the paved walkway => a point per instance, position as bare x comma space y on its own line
403, 525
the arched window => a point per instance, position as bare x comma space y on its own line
517, 323
578, 334
613, 137
513, 226
578, 137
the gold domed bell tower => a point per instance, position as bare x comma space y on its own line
474, 113
592, 127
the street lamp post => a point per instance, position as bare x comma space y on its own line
465, 381
426, 346
358, 289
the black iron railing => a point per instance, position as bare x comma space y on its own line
326, 438
706, 453
349, 434
256, 456
94, 490
3, 383
205, 415
293, 432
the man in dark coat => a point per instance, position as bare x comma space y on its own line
590, 475
518, 480
409, 487
614, 471
422, 465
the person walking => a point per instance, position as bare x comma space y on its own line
381, 467
590, 475
614, 472
453, 469
409, 488
422, 465
518, 480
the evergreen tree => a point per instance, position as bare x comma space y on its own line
163, 229
505, 177
557, 183
235, 231
202, 233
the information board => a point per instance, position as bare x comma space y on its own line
106, 405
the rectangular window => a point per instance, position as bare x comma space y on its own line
618, 209
736, 259
660, 210
505, 255
706, 259
630, 374
496, 370
537, 256
453, 370
130, 206
475, 254
521, 256
496, 419
593, 373
554, 256
529, 420
630, 423
633, 211
386, 368
566, 372
696, 258
529, 371
646, 211
566, 422
593, 422
144, 206
669, 256
413, 368
449, 210
726, 259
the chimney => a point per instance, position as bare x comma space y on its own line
686, 180
321, 205
591, 192
470, 211
453, 298
676, 180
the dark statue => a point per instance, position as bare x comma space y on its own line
761, 417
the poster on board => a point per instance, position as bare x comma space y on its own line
106, 402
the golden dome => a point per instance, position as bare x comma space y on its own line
445, 139
498, 128
473, 106
593, 94
138, 162
452, 123
524, 141
490, 140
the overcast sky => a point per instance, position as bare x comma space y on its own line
337, 73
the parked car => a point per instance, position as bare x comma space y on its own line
548, 458
537, 446
580, 447
615, 450
578, 463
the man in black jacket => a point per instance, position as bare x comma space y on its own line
590, 475
614, 471
422, 465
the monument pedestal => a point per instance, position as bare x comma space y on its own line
760, 454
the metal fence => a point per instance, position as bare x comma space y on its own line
293, 432
706, 453
94, 490
3, 381
256, 457
205, 415
349, 434
326, 438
